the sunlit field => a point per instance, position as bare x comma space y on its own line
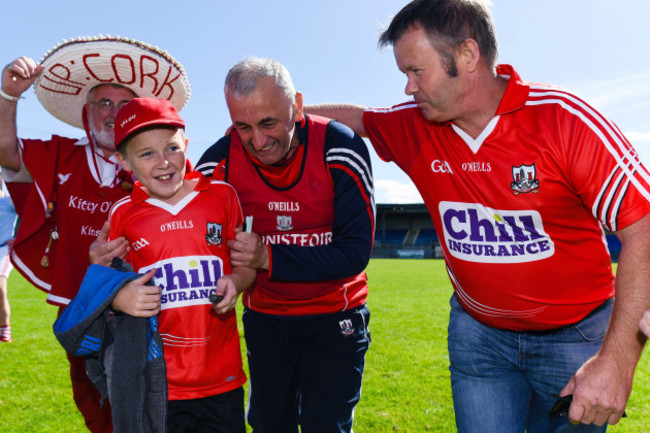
406, 384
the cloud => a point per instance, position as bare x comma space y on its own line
392, 191
641, 143
637, 137
623, 94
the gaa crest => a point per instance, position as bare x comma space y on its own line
346, 327
524, 179
283, 223
213, 235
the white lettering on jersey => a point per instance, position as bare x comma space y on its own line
476, 233
300, 239
88, 206
177, 225
441, 167
476, 167
186, 280
89, 231
284, 206
140, 243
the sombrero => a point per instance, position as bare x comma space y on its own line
74, 67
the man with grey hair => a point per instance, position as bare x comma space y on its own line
307, 183
520, 180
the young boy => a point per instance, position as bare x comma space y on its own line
177, 225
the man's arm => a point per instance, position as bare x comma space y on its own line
644, 324
602, 386
17, 77
350, 115
213, 157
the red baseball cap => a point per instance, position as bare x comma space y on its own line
141, 112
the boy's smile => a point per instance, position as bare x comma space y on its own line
157, 157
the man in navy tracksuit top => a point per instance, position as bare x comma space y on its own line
307, 182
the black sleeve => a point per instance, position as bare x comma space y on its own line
213, 156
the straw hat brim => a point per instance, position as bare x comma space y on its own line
73, 68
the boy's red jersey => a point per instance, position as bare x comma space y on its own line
187, 244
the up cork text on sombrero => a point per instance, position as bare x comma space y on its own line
74, 67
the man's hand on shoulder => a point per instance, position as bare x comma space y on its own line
102, 251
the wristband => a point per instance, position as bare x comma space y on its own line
9, 97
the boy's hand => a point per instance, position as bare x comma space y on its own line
137, 298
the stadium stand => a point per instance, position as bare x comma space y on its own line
405, 231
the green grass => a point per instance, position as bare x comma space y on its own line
406, 384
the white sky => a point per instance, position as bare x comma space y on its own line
597, 48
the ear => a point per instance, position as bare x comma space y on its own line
298, 108
469, 55
123, 163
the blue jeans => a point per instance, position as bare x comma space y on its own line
503, 381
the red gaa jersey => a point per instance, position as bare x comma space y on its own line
70, 196
187, 245
316, 216
300, 215
520, 210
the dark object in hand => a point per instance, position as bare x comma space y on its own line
215, 299
561, 407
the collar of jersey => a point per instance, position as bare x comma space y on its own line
516, 93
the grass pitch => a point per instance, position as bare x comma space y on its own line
406, 383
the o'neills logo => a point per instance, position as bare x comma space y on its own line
284, 206
129, 70
476, 167
177, 225
476, 233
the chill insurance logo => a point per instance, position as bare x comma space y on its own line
477, 233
